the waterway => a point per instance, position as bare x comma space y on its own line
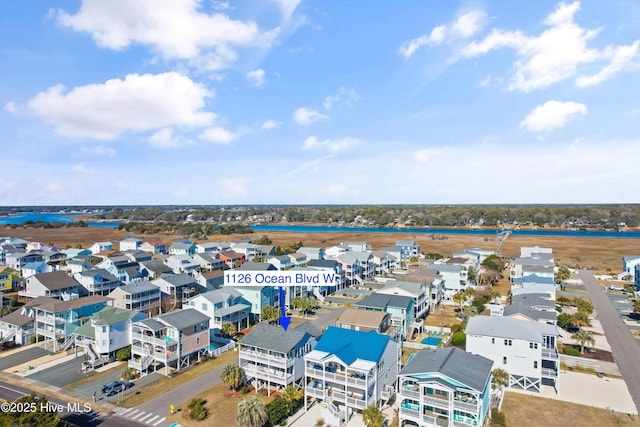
52, 217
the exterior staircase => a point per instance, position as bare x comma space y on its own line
71, 339
317, 294
8, 337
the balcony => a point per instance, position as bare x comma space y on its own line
415, 413
273, 375
550, 353
161, 342
266, 358
409, 392
465, 406
549, 373
318, 393
338, 377
432, 400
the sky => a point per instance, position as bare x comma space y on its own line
319, 102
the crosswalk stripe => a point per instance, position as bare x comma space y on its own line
145, 417
150, 420
159, 421
138, 416
126, 410
132, 412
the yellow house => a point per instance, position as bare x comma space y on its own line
9, 278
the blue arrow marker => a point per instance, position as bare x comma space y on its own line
284, 320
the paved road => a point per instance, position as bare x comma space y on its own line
626, 350
11, 392
22, 356
63, 374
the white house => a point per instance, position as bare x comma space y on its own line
312, 253
222, 305
140, 296
526, 350
100, 246
97, 281
56, 284
130, 244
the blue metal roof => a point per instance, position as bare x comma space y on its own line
350, 345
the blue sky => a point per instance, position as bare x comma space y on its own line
289, 101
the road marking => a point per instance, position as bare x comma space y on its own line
144, 418
150, 420
159, 421
126, 410
137, 416
13, 390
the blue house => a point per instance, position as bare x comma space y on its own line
258, 298
445, 387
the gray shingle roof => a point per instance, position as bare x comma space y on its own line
383, 300
256, 266
56, 280
181, 319
177, 280
273, 337
509, 327
466, 368
220, 295
139, 287
324, 263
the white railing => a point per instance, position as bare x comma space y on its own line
339, 378
67, 342
549, 373
155, 341
10, 335
473, 407
410, 412
409, 393
549, 353
435, 401
218, 351
265, 357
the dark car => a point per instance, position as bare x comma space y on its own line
116, 387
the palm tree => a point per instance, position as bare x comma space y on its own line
500, 376
580, 319
232, 375
298, 303
583, 337
270, 313
292, 395
460, 298
228, 329
372, 416
252, 412
495, 295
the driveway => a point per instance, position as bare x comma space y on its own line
626, 350
90, 387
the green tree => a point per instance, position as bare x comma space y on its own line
565, 321
584, 305
124, 353
270, 313
562, 274
197, 409
495, 295
583, 338
299, 303
372, 416
460, 298
228, 329
472, 274
278, 411
636, 306
232, 375
39, 417
580, 319
252, 412
262, 240
292, 395
493, 262
501, 377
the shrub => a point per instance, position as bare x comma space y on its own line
497, 418
129, 374
319, 422
479, 305
563, 300
33, 338
278, 411
124, 353
571, 351
455, 328
244, 389
197, 409
459, 339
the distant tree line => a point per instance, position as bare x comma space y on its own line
45, 224
196, 231
580, 216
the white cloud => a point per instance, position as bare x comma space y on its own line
11, 107
99, 150
620, 58
221, 5
552, 115
423, 156
556, 54
233, 188
54, 187
218, 135
82, 169
287, 7
465, 26
164, 138
176, 29
305, 116
256, 77
270, 124
331, 145
346, 96
139, 103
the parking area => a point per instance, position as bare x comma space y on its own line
90, 387
21, 357
64, 373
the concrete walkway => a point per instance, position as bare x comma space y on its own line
626, 350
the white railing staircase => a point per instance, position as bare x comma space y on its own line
317, 294
358, 279
8, 337
71, 339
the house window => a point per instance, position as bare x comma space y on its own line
198, 341
535, 364
507, 342
493, 340
204, 307
533, 345
504, 360
104, 329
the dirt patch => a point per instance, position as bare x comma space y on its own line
593, 353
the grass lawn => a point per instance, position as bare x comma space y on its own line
159, 387
532, 411
222, 405
444, 316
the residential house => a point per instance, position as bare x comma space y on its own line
6, 250
177, 287
53, 257
526, 350
256, 266
106, 332
312, 253
249, 250
358, 246
156, 247
138, 256
454, 279
408, 249
280, 262
232, 259
9, 279
258, 298
330, 266
533, 307
99, 247
336, 251
215, 247
154, 269
97, 281
141, 296
400, 308
396, 253
18, 260
385, 263
56, 284
268, 250
445, 387
173, 341
629, 263
415, 290
298, 259
209, 261
130, 244
182, 248
364, 320
273, 358
56, 320
529, 263
76, 252
358, 267
536, 251
19, 325
222, 305
348, 371
211, 280
77, 265
183, 264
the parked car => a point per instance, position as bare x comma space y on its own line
116, 387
